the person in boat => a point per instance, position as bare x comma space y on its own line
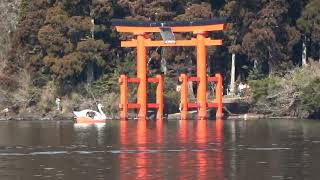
91, 114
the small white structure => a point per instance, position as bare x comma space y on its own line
58, 104
5, 111
178, 88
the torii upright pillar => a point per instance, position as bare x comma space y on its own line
142, 76
202, 75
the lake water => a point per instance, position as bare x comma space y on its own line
227, 150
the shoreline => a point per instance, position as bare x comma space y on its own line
174, 117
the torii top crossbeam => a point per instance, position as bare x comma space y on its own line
176, 26
199, 28
144, 27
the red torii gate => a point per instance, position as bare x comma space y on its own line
141, 29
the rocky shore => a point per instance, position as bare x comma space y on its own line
233, 109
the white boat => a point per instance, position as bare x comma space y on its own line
90, 116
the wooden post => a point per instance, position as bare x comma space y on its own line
202, 75
159, 95
123, 106
184, 96
142, 75
304, 53
233, 75
219, 96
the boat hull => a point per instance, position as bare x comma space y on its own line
86, 120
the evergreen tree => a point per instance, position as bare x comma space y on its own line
270, 36
309, 24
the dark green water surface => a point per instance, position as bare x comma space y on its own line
235, 150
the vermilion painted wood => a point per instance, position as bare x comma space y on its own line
194, 79
134, 106
161, 24
184, 96
142, 75
193, 105
123, 81
133, 80
153, 80
212, 79
159, 97
219, 96
185, 105
179, 29
153, 105
211, 105
199, 28
155, 43
202, 75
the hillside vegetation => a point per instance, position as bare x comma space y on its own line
67, 49
9, 10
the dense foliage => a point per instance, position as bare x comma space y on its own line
67, 48
295, 94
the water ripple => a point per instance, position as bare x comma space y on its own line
268, 149
129, 151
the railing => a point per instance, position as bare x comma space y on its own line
124, 105
185, 105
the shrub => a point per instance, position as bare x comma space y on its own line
310, 99
106, 84
46, 101
171, 96
259, 88
171, 101
8, 83
297, 93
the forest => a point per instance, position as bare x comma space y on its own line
68, 49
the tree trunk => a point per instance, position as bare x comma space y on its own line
164, 66
90, 75
319, 51
92, 28
191, 94
233, 75
90, 68
304, 54
255, 64
270, 67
